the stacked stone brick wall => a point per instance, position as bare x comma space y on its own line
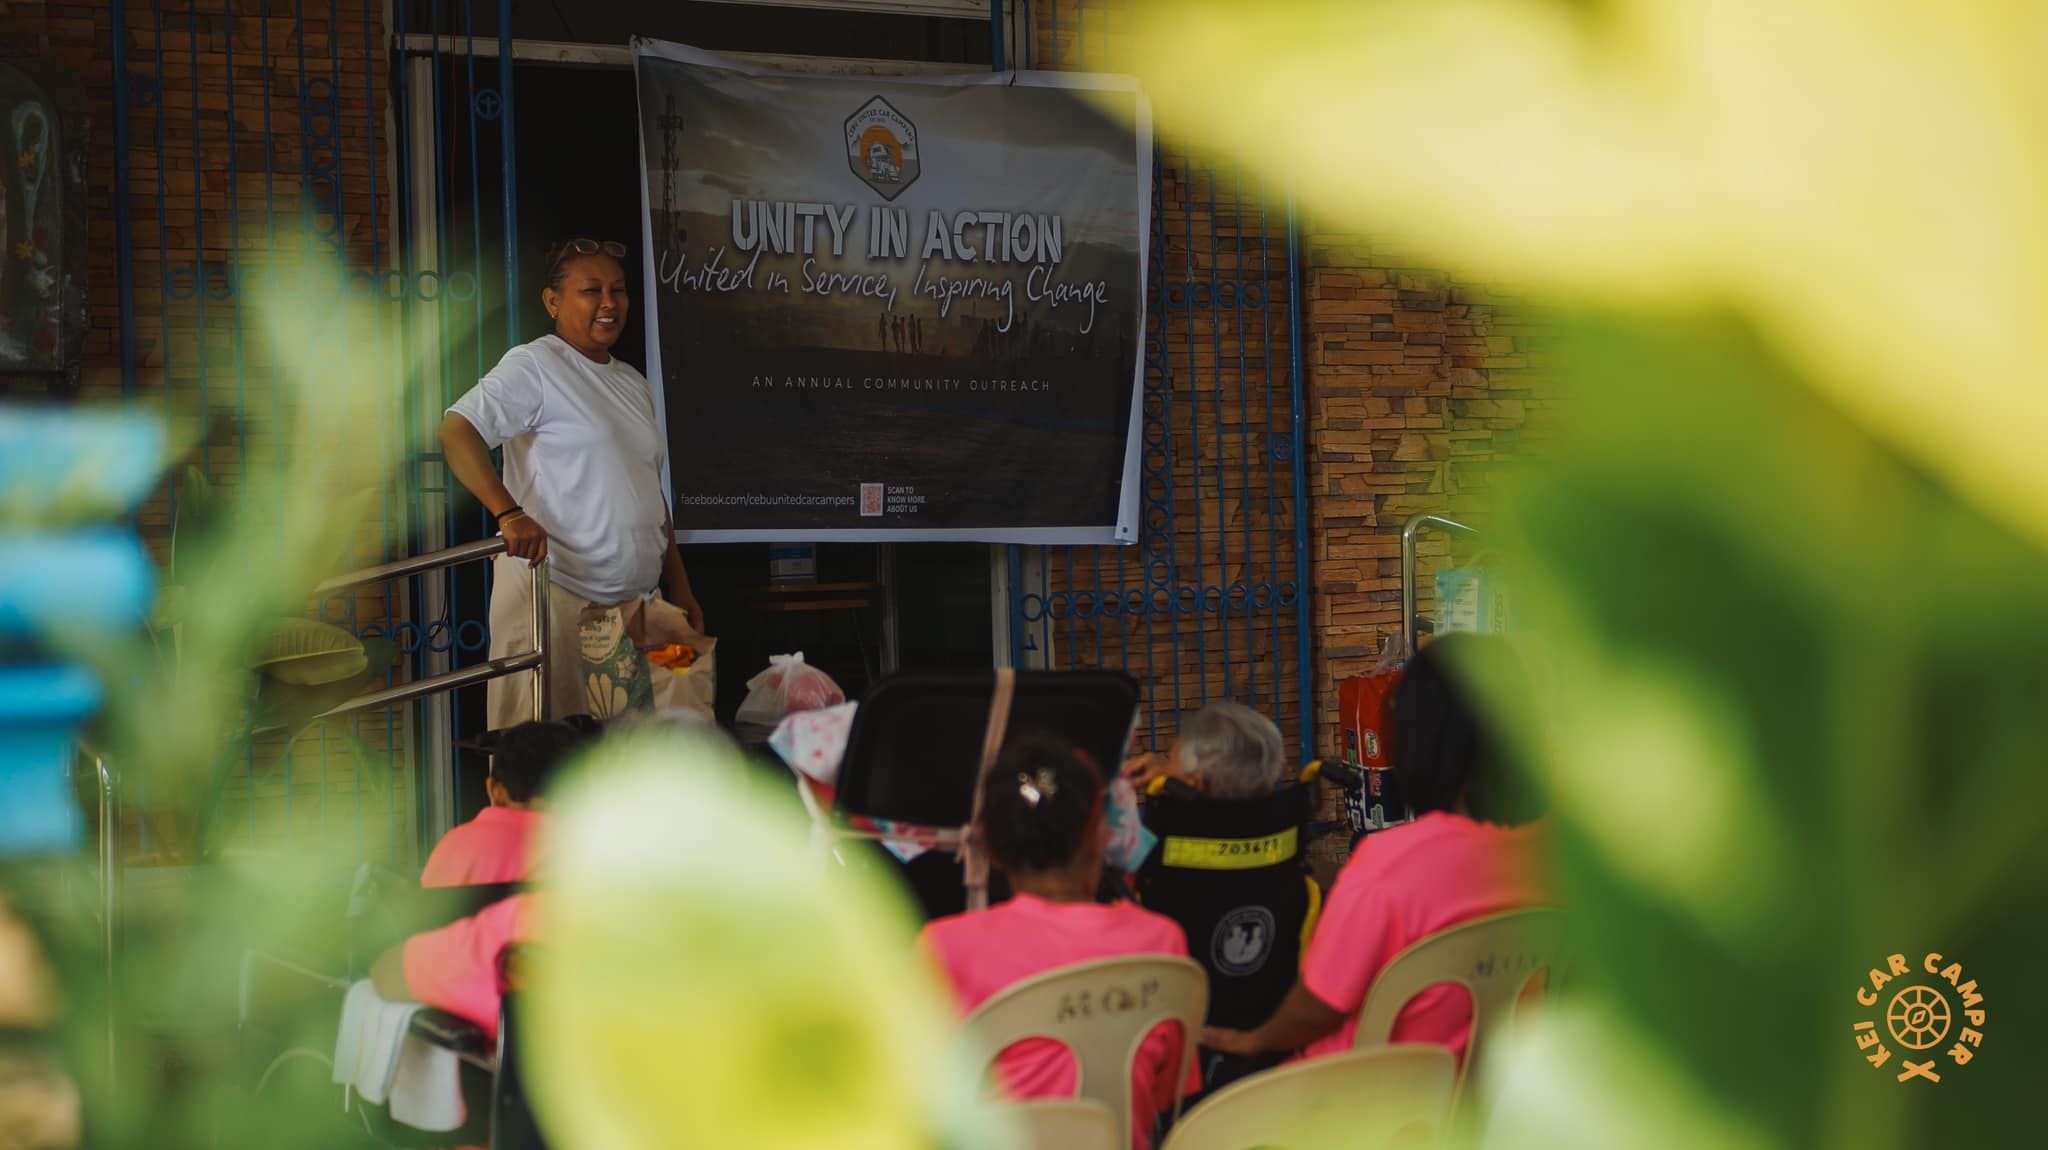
1422, 389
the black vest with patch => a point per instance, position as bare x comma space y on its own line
1234, 875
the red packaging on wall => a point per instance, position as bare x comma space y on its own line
1365, 713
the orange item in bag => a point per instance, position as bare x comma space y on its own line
675, 656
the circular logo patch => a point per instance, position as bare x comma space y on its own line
1243, 940
1937, 1004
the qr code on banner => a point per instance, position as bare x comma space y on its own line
870, 499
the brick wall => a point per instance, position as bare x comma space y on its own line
1215, 577
255, 127
1420, 390
224, 149
1217, 564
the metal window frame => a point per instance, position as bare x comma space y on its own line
948, 9
573, 54
436, 749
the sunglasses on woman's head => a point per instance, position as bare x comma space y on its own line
582, 246
589, 247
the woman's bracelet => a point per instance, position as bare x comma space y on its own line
508, 513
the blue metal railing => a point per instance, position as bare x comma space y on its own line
511, 182
1296, 380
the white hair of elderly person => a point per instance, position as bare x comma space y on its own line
1225, 750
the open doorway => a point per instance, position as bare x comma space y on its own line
924, 606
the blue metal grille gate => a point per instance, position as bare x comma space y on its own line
246, 133
1213, 602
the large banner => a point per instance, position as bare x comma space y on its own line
895, 309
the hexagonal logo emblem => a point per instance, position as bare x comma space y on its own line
881, 147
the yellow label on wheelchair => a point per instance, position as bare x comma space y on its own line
1230, 854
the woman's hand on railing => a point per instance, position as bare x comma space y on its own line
524, 539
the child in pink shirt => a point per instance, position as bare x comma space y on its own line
1042, 822
458, 967
1466, 854
493, 847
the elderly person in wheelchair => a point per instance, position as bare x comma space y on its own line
1229, 866
1472, 850
1224, 751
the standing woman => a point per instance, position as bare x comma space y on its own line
581, 489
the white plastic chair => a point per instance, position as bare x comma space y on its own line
1101, 1011
1495, 958
1065, 1124
1394, 1096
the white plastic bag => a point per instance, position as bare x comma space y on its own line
1130, 840
788, 685
1471, 598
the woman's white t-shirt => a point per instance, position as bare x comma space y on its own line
583, 456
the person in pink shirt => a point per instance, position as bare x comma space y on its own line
1470, 851
1042, 823
494, 847
458, 968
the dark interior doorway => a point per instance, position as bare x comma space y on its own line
579, 175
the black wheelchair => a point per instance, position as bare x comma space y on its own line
1234, 874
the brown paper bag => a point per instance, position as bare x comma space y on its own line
694, 688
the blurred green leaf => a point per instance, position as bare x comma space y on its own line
308, 653
194, 524
1792, 716
372, 768
290, 706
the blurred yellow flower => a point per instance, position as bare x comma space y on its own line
1866, 180
704, 978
